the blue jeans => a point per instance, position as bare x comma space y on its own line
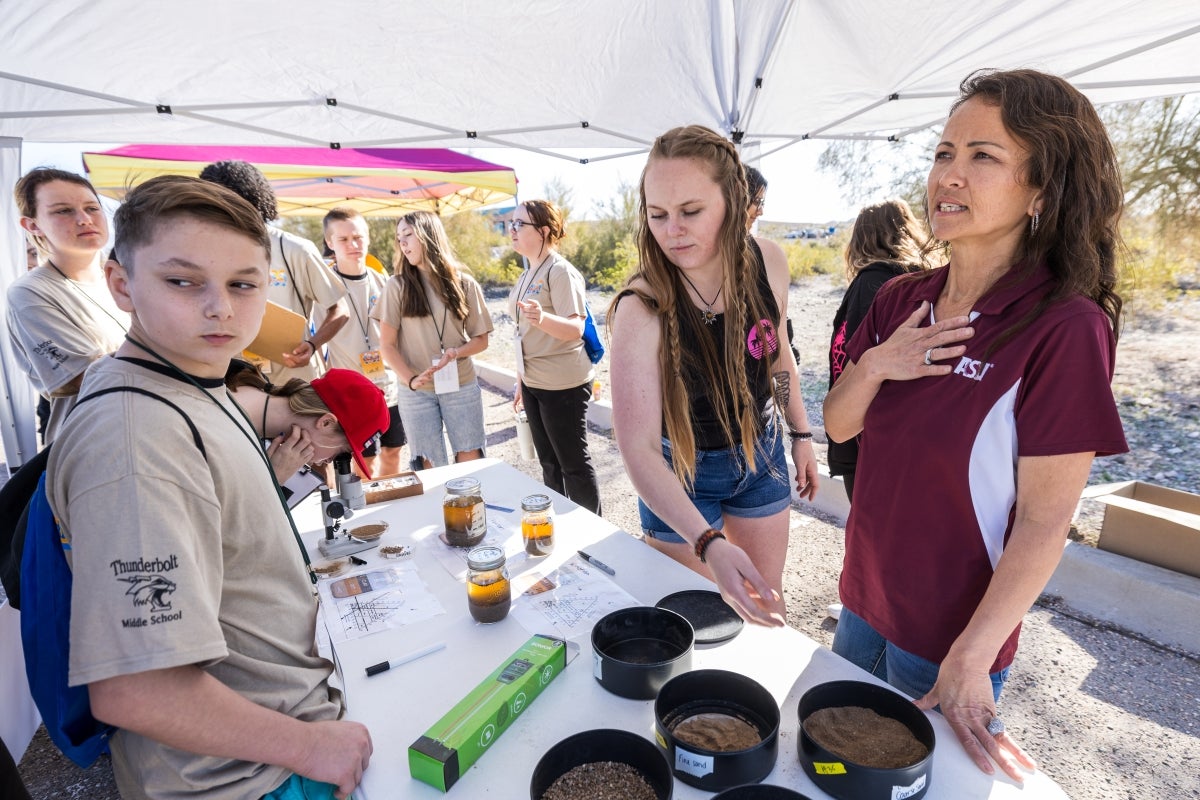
424, 414
724, 484
300, 788
857, 642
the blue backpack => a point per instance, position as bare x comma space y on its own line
44, 597
591, 338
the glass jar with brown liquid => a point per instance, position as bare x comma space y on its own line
537, 525
463, 512
489, 594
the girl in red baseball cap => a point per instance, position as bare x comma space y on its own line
311, 422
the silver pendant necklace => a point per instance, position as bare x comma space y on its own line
708, 315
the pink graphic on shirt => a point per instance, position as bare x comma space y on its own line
762, 344
837, 354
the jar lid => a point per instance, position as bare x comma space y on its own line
536, 502
486, 557
462, 486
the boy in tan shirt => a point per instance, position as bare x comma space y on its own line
192, 618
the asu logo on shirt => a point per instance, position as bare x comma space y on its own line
970, 368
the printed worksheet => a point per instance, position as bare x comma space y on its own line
373, 600
500, 533
569, 601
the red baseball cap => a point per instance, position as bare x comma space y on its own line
359, 407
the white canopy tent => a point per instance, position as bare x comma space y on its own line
539, 74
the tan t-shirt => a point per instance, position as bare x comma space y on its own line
417, 337
552, 363
57, 328
179, 561
315, 287
360, 334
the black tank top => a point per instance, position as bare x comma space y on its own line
759, 355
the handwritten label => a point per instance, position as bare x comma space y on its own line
903, 792
597, 666
693, 764
829, 768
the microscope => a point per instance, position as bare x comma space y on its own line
342, 507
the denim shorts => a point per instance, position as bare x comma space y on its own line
860, 644
425, 413
724, 485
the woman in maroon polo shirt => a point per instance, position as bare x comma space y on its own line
981, 391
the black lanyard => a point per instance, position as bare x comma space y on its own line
525, 289
357, 314
250, 438
86, 296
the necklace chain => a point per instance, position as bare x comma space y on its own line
707, 314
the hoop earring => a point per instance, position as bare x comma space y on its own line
1033, 223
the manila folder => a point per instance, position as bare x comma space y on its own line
282, 332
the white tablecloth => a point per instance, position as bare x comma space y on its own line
19, 718
399, 705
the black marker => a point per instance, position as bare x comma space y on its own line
384, 666
598, 564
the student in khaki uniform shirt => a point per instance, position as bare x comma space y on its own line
300, 281
555, 374
61, 316
192, 619
432, 319
357, 345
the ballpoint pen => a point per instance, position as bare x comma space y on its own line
597, 563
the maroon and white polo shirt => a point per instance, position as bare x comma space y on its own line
936, 483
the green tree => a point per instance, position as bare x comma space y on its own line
605, 250
480, 245
870, 170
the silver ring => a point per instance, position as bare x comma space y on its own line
996, 726
929, 357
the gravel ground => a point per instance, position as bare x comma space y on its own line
1107, 714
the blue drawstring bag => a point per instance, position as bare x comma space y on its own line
591, 338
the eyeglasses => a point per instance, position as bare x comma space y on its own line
759, 202
516, 225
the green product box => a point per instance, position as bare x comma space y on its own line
457, 740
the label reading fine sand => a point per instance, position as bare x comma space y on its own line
829, 768
693, 764
902, 792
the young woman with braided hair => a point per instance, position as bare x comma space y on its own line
700, 381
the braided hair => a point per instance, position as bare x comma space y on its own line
662, 290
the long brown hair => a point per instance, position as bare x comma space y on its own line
666, 297
886, 232
1073, 163
302, 398
444, 268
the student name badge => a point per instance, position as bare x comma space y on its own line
520, 356
445, 380
371, 363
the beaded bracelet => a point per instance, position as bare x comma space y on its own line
801, 436
706, 539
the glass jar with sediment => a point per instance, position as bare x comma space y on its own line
489, 594
537, 525
464, 513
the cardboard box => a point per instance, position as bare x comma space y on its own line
1151, 523
457, 740
390, 487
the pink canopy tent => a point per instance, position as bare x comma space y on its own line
309, 181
